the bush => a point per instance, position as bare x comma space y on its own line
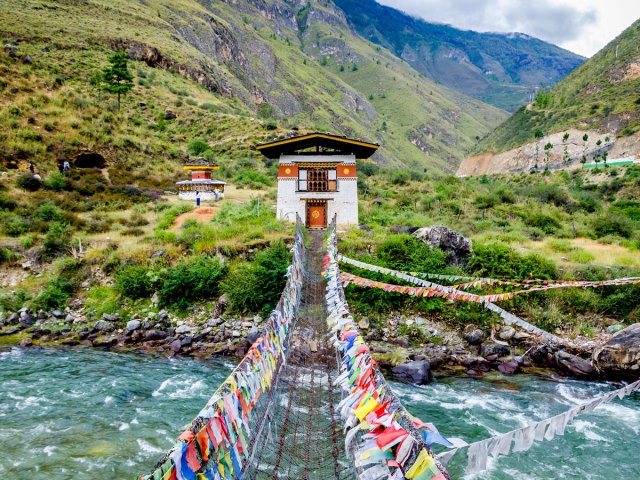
7, 204
612, 225
7, 255
57, 240
136, 281
49, 213
406, 253
500, 260
55, 294
192, 280
56, 182
14, 226
256, 286
29, 182
544, 222
197, 147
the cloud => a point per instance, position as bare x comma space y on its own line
549, 20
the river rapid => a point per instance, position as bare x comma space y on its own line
89, 414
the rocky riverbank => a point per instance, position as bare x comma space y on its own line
199, 335
413, 348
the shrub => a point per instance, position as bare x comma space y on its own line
612, 225
136, 281
544, 222
29, 182
560, 245
7, 255
57, 240
500, 260
256, 286
193, 280
56, 293
14, 226
197, 147
49, 213
7, 204
252, 179
404, 252
56, 182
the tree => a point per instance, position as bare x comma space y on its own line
547, 154
565, 155
538, 134
117, 78
605, 154
585, 137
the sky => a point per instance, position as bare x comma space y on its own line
581, 26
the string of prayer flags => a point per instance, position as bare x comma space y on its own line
382, 437
215, 446
507, 317
522, 439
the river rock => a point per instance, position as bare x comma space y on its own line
214, 322
154, 335
621, 354
615, 328
58, 313
492, 351
457, 247
27, 342
364, 323
27, 320
509, 367
253, 335
176, 345
417, 371
520, 336
507, 333
103, 326
12, 319
474, 337
182, 329
187, 340
573, 365
132, 325
111, 318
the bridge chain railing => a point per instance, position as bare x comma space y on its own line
382, 438
217, 444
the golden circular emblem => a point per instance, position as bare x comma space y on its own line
315, 214
287, 171
346, 171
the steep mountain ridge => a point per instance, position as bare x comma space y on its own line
500, 69
602, 95
298, 63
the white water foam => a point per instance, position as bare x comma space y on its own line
180, 387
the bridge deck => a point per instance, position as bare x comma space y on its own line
299, 430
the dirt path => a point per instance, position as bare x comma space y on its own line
202, 214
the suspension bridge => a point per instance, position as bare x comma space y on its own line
309, 402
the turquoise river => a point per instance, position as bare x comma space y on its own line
87, 414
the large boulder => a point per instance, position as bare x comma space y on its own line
457, 247
416, 371
573, 365
621, 354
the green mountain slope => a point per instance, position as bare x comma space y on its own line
500, 69
603, 95
295, 63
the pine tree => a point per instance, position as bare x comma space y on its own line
117, 78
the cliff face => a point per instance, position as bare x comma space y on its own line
295, 62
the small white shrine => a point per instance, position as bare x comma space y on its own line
201, 186
317, 177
